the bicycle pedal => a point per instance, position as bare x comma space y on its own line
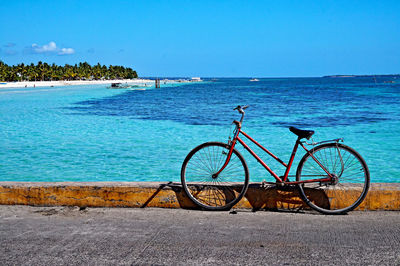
263, 184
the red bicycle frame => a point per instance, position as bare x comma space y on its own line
236, 139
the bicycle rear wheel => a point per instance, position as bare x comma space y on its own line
214, 193
348, 188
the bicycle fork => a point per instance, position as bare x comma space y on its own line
232, 146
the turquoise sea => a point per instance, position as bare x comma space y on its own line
91, 133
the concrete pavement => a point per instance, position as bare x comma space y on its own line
74, 236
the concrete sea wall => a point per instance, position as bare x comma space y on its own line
381, 196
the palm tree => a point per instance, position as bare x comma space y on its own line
3, 71
54, 72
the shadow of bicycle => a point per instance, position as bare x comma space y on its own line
258, 197
275, 198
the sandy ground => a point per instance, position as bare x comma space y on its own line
116, 236
30, 84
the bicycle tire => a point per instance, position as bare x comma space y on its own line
351, 173
222, 192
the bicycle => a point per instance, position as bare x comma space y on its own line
215, 176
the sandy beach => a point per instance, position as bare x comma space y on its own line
31, 84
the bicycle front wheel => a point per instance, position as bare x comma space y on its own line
210, 192
348, 187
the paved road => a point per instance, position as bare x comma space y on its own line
68, 236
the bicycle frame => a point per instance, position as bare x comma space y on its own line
283, 180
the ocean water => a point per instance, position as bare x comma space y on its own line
91, 133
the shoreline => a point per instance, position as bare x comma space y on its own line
57, 83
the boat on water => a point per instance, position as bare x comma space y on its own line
118, 85
128, 86
195, 79
254, 80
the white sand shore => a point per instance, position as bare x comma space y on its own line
30, 84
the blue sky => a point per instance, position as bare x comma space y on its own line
207, 38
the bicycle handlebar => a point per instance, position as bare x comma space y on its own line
241, 111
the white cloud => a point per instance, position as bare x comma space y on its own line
66, 51
10, 44
51, 47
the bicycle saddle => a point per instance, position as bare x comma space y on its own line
302, 133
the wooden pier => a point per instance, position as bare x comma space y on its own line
157, 83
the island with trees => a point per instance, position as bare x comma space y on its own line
45, 72
364, 76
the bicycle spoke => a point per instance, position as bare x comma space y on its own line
348, 170
207, 190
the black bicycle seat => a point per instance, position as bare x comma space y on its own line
302, 133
